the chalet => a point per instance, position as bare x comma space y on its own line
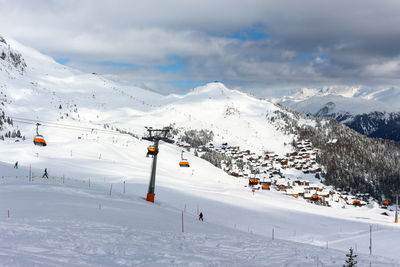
282, 184
324, 193
233, 173
314, 187
266, 182
308, 195
275, 172
293, 193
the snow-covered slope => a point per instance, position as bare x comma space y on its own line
81, 215
373, 113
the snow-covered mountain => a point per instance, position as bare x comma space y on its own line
372, 113
91, 210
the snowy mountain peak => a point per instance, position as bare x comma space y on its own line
305, 93
327, 109
211, 89
10, 60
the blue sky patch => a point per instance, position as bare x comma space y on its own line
117, 64
175, 64
253, 33
62, 61
304, 56
171, 68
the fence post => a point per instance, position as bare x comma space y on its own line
182, 223
273, 234
124, 187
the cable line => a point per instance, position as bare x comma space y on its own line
66, 126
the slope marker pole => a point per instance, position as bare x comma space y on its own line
182, 223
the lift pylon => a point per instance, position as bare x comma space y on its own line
155, 135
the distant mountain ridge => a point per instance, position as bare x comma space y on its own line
372, 113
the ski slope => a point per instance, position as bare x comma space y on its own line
63, 221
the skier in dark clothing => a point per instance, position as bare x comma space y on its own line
201, 216
16, 165
45, 175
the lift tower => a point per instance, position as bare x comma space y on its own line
155, 135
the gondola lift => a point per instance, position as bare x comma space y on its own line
183, 162
39, 139
151, 150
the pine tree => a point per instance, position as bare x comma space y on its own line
351, 259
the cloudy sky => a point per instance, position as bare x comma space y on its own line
263, 47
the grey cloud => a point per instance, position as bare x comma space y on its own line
349, 42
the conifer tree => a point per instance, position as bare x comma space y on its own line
351, 259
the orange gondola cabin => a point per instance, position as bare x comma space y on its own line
183, 162
38, 140
151, 150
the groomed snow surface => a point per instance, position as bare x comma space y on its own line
62, 221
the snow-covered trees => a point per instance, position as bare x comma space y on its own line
196, 138
355, 162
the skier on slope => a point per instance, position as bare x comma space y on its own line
45, 174
201, 217
16, 165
